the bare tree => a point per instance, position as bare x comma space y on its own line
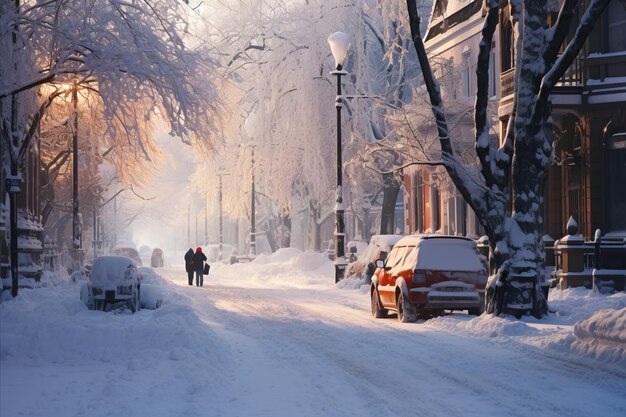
134, 55
523, 158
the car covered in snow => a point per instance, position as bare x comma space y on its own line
427, 274
365, 264
128, 251
354, 248
114, 280
156, 260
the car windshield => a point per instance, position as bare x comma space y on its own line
111, 270
448, 255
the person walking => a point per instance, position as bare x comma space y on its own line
198, 266
189, 265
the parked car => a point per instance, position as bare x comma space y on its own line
127, 251
114, 279
427, 274
354, 249
365, 264
330, 249
156, 260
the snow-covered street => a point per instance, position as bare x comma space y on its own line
276, 338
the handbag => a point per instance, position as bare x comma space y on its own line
206, 269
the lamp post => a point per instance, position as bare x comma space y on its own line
339, 44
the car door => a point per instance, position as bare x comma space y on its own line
387, 279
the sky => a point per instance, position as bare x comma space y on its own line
276, 337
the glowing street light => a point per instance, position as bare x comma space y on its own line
339, 45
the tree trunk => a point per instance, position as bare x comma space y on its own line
390, 196
315, 233
286, 231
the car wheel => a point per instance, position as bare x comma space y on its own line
133, 303
475, 311
377, 310
86, 295
406, 313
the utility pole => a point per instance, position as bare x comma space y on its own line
219, 197
14, 181
76, 232
206, 230
115, 220
252, 214
189, 224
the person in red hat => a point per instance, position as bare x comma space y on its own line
198, 266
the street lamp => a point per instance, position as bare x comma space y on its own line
339, 45
253, 214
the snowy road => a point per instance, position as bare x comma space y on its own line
247, 344
320, 352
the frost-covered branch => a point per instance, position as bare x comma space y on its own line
458, 173
557, 33
483, 145
588, 21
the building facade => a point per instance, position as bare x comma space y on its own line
432, 203
587, 177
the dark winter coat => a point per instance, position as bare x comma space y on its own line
188, 260
198, 261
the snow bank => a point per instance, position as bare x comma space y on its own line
603, 335
584, 323
33, 322
285, 267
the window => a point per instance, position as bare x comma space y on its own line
418, 207
508, 47
616, 178
471, 222
466, 74
395, 257
434, 207
492, 72
574, 178
616, 14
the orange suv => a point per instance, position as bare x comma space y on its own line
426, 274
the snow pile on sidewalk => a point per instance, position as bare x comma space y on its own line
603, 335
585, 323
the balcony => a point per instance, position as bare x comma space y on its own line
601, 66
573, 77
507, 82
